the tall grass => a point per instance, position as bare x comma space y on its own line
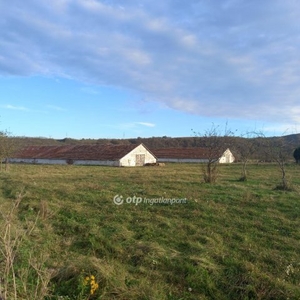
231, 240
23, 273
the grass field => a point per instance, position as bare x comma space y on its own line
67, 239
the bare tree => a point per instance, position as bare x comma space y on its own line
277, 149
214, 143
246, 147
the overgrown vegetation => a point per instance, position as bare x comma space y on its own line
7, 147
245, 151
23, 274
278, 151
64, 238
215, 142
296, 154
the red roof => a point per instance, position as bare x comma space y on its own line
76, 152
186, 153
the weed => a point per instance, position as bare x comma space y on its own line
23, 275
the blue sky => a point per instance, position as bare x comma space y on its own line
114, 69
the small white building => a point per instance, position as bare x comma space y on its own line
192, 155
227, 157
107, 155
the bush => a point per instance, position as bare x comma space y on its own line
297, 155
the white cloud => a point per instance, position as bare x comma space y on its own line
13, 107
54, 107
146, 124
281, 129
134, 125
232, 59
90, 90
138, 57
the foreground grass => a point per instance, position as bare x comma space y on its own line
231, 240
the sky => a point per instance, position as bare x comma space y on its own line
126, 69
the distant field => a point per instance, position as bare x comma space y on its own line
230, 240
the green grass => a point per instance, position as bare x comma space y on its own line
231, 240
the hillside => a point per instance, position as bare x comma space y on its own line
290, 142
153, 142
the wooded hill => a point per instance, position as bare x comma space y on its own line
290, 142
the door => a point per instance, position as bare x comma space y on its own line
140, 159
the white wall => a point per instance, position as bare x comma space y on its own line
97, 162
38, 161
129, 160
227, 157
182, 160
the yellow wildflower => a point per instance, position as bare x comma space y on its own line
91, 281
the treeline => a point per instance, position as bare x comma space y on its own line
234, 143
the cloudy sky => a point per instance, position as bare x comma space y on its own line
115, 68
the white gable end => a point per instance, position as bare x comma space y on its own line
227, 157
137, 157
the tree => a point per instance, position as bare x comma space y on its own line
277, 149
297, 155
7, 147
215, 143
246, 147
